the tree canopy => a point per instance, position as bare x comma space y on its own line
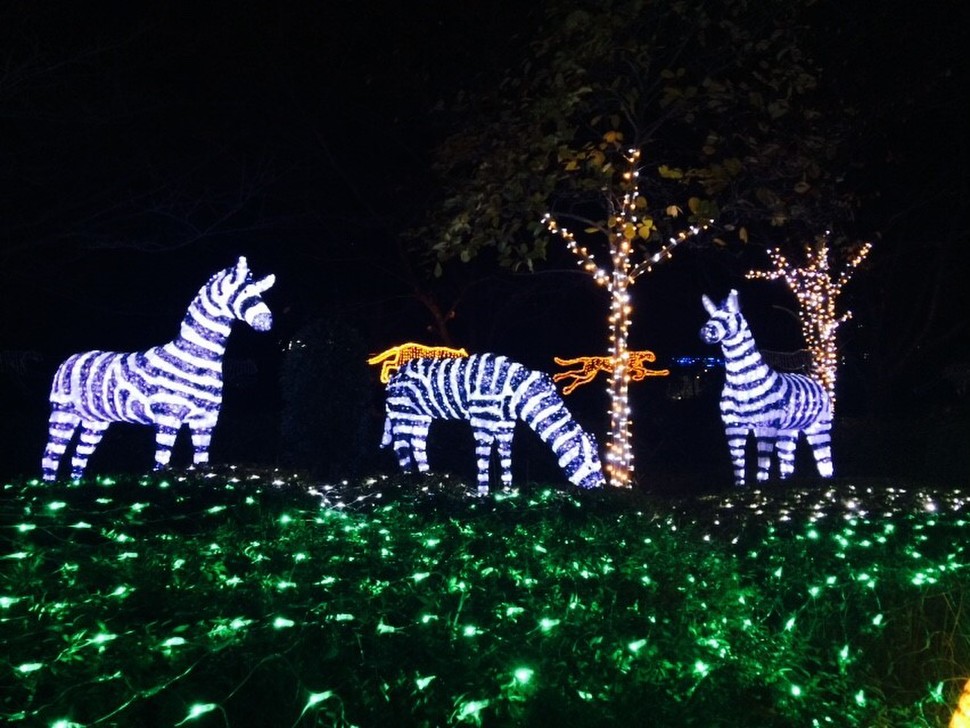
724, 99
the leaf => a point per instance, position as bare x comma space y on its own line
733, 166
629, 231
673, 210
640, 202
694, 204
743, 234
670, 172
802, 187
645, 228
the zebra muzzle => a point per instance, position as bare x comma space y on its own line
263, 321
709, 334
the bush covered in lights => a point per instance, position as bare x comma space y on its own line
245, 599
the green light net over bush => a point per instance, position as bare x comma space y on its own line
253, 599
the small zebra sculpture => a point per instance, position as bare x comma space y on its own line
167, 386
491, 392
775, 406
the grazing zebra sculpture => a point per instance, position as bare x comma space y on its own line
491, 392
167, 386
775, 406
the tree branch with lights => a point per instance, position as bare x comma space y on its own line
817, 288
629, 228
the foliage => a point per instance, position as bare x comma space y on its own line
245, 598
327, 391
724, 99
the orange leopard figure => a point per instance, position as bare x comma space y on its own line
397, 356
590, 366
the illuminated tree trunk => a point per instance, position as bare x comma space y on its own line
626, 223
619, 449
817, 290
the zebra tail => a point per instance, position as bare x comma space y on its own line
387, 440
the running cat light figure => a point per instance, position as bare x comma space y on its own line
167, 386
775, 406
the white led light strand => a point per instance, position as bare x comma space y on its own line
623, 228
817, 290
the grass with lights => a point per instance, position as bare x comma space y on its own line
243, 599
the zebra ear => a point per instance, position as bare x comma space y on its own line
241, 270
264, 284
708, 305
732, 301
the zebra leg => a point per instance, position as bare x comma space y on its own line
90, 437
418, 443
201, 437
737, 438
166, 430
401, 444
765, 441
785, 445
60, 430
504, 439
402, 449
484, 440
819, 437
399, 433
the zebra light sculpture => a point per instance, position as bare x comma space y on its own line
167, 386
775, 406
491, 392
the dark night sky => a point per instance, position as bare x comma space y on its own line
167, 144
143, 149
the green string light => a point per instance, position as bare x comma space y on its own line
196, 711
417, 600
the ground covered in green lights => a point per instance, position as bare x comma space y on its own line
247, 599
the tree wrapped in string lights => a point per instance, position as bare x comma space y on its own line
629, 228
817, 288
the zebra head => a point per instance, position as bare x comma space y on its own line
241, 297
585, 469
725, 321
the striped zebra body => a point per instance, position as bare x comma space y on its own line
166, 386
776, 407
491, 392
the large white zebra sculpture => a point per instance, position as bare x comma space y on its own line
167, 386
491, 392
775, 406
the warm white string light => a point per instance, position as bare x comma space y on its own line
623, 227
817, 290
